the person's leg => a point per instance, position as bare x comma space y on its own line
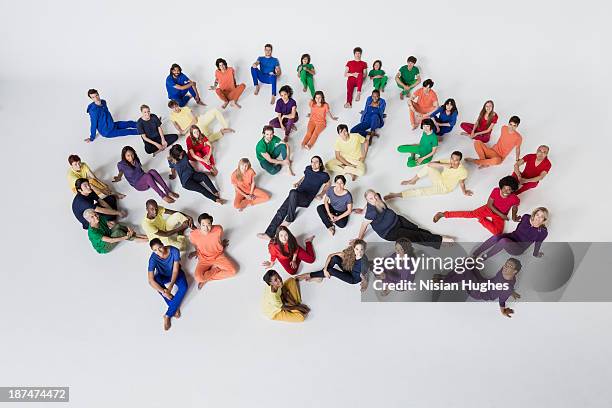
203, 178
437, 186
486, 245
221, 268
240, 202
122, 131
178, 240
315, 135
289, 123
495, 224
260, 197
275, 123
255, 75
334, 166
323, 215
406, 229
290, 316
99, 187
340, 223
175, 303
160, 181
467, 127
286, 264
375, 122
280, 151
280, 215
525, 187
382, 83
273, 79
310, 85
126, 124
235, 93
486, 155
361, 128
358, 168
193, 185
111, 200
183, 100
498, 243
269, 167
310, 128
221, 95
307, 255
304, 78
359, 81
351, 83
171, 138
296, 199
334, 262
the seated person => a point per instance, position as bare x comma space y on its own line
102, 121
210, 246
164, 273
151, 132
427, 147
442, 182
306, 72
266, 69
243, 180
283, 301
494, 213
351, 151
79, 169
285, 248
191, 179
422, 103
372, 116
286, 112
319, 110
445, 117
398, 273
85, 198
170, 229
508, 139
269, 149
183, 119
225, 84
408, 77
537, 167
200, 150
180, 88
355, 72
378, 77
337, 205
104, 235
483, 126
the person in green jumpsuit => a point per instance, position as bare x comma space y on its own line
378, 77
306, 72
426, 148
408, 77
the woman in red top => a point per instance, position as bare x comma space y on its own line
483, 127
284, 248
200, 150
225, 84
537, 167
356, 70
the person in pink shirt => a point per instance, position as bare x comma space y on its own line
537, 167
509, 139
422, 103
356, 70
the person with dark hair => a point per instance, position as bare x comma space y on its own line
372, 116
139, 179
286, 112
80, 170
422, 103
391, 226
210, 246
164, 273
408, 77
319, 110
190, 178
180, 88
509, 139
151, 132
169, 230
266, 69
537, 167
494, 213
104, 234
355, 72
401, 272
378, 77
269, 149
183, 119
337, 205
306, 72
482, 128
283, 301
86, 198
427, 147
312, 185
102, 121
200, 150
444, 176
243, 180
445, 117
284, 248
225, 84
351, 150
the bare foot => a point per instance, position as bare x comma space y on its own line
469, 160
178, 313
447, 240
237, 105
389, 197
438, 216
304, 90
358, 97
173, 195
227, 130
407, 182
317, 280
332, 230
347, 105
285, 139
414, 127
167, 323
307, 147
224, 105
353, 177
221, 201
168, 199
483, 166
464, 133
401, 96
257, 89
241, 209
272, 100
201, 285
261, 235
200, 102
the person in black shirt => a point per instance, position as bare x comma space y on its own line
149, 128
85, 198
189, 177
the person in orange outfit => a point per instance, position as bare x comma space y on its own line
243, 179
319, 109
509, 139
225, 84
422, 103
208, 240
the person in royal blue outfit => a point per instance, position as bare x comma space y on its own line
266, 69
372, 116
180, 88
101, 120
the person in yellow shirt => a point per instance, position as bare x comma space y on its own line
183, 118
169, 230
351, 150
443, 182
283, 301
80, 170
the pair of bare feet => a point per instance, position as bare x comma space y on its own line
473, 161
272, 100
171, 197
233, 104
349, 105
168, 321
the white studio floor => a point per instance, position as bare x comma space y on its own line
91, 322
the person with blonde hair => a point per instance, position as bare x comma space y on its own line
482, 128
247, 193
200, 150
80, 170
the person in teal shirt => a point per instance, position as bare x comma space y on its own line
426, 148
272, 153
378, 77
306, 72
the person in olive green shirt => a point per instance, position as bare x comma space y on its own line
408, 77
306, 72
104, 235
378, 77
425, 149
269, 149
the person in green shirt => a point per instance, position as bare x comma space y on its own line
378, 77
104, 235
305, 72
408, 77
425, 149
269, 149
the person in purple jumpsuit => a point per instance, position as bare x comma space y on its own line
286, 111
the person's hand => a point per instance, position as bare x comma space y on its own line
164, 143
116, 179
130, 233
250, 196
472, 135
211, 88
539, 254
326, 273
506, 311
88, 140
293, 263
320, 196
254, 65
172, 176
505, 218
342, 165
334, 117
225, 243
267, 264
516, 218
192, 82
332, 218
295, 185
122, 214
192, 254
468, 193
166, 293
420, 160
110, 224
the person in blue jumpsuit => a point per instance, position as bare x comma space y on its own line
266, 69
180, 88
372, 116
165, 272
102, 121
445, 117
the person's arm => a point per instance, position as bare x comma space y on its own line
311, 71
327, 210
515, 216
118, 177
127, 236
93, 127
398, 80
269, 158
518, 151
534, 179
159, 288
488, 130
491, 207
433, 151
517, 169
277, 70
323, 190
172, 173
414, 99
256, 63
363, 228
464, 189
331, 115
437, 165
346, 73
178, 128
162, 137
365, 146
342, 159
537, 246
296, 184
349, 209
290, 115
417, 81
186, 86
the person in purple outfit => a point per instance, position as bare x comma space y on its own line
286, 111
531, 229
403, 248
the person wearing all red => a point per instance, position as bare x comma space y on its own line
356, 71
284, 248
536, 168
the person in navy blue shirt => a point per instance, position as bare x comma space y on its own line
164, 272
304, 191
445, 117
102, 121
180, 88
266, 69
85, 198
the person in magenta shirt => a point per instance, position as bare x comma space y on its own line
356, 70
536, 168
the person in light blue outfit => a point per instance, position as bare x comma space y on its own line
372, 116
445, 117
180, 88
266, 69
102, 121
165, 272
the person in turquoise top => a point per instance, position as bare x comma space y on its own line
426, 148
305, 72
269, 149
378, 77
408, 77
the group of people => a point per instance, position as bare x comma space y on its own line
169, 232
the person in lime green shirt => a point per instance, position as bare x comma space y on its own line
425, 149
104, 235
306, 73
408, 77
378, 77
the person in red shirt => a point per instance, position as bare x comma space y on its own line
494, 213
199, 150
356, 70
284, 248
537, 167
483, 126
